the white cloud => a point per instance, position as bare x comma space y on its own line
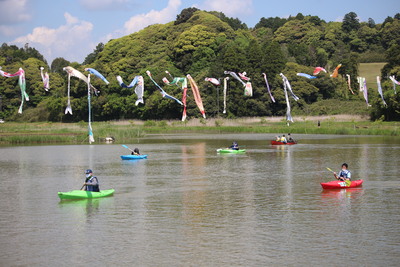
141, 21
103, 4
70, 41
230, 8
14, 11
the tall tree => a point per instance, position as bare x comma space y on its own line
273, 61
254, 55
58, 64
350, 22
185, 15
371, 23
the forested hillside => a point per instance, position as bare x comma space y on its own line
205, 44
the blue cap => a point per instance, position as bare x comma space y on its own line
88, 171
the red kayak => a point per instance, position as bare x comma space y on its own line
282, 143
341, 184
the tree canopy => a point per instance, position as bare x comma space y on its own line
205, 44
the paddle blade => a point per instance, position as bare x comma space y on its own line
127, 147
329, 169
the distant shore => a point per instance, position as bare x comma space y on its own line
250, 120
14, 133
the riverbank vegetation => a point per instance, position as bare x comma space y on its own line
205, 44
129, 131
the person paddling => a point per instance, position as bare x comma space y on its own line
290, 139
234, 146
91, 182
136, 152
344, 174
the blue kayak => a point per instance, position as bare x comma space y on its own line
131, 157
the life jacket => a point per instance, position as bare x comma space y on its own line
234, 146
344, 173
93, 188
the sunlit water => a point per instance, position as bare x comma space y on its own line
186, 205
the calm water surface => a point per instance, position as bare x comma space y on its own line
186, 205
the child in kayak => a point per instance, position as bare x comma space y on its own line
136, 152
234, 146
344, 174
91, 182
290, 139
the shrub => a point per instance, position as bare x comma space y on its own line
149, 123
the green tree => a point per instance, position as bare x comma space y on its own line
393, 60
254, 54
235, 23
371, 23
234, 58
273, 61
272, 23
299, 16
350, 22
92, 56
58, 64
322, 57
298, 31
185, 15
390, 33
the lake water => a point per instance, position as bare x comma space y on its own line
186, 205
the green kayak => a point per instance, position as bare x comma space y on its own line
232, 151
79, 194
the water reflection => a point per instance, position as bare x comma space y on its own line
84, 207
341, 194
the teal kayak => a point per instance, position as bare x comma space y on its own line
232, 151
79, 194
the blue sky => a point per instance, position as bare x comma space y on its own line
72, 28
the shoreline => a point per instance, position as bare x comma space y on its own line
16, 133
249, 120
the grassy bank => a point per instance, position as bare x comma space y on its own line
370, 71
129, 131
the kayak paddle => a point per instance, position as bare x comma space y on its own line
329, 169
127, 148
333, 172
82, 186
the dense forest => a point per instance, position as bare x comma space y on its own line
205, 44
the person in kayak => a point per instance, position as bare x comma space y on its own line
91, 182
289, 138
136, 152
344, 174
283, 139
234, 146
